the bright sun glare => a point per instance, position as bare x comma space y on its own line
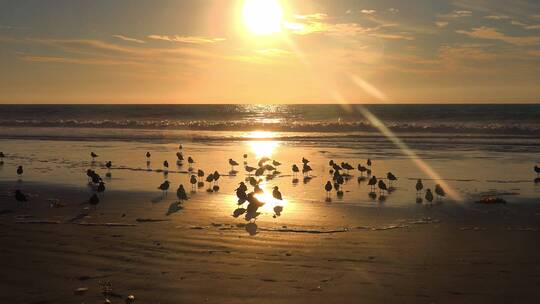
263, 17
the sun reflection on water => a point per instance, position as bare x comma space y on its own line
263, 146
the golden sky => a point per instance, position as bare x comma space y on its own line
269, 51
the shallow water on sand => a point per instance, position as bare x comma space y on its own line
467, 171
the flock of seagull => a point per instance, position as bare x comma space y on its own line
267, 168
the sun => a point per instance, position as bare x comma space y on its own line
263, 17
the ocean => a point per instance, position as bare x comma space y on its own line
470, 123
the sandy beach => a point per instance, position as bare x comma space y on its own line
352, 249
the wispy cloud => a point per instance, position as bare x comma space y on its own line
129, 39
186, 39
456, 14
368, 11
497, 17
490, 33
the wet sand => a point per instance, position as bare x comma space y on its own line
444, 254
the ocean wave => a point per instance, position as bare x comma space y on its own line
280, 126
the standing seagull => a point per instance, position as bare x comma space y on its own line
20, 171
429, 196
181, 193
382, 187
372, 183
362, 169
328, 188
164, 187
191, 162
148, 155
306, 169
250, 169
537, 170
108, 165
101, 187
276, 163
295, 170
368, 163
193, 182
241, 193
276, 194
93, 155
439, 191
419, 187
233, 163
180, 158
200, 175
210, 179
391, 178
2, 158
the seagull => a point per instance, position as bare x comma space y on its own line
419, 187
537, 170
391, 178
328, 188
245, 156
164, 187
210, 179
20, 197
262, 161
368, 162
439, 191
148, 155
382, 187
191, 162
166, 165
372, 182
2, 155
260, 171
101, 187
20, 171
429, 195
253, 182
233, 163
347, 167
193, 182
305, 161
295, 169
241, 193
269, 167
180, 147
200, 174
276, 163
93, 155
89, 174
180, 158
2, 158
108, 165
181, 193
96, 178
306, 169
362, 169
276, 194
250, 169
277, 211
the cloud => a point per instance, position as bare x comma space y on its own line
441, 23
81, 61
393, 10
497, 17
490, 33
186, 39
315, 16
456, 14
368, 11
121, 37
